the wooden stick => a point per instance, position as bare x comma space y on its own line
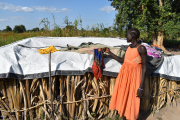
50, 87
10, 116
62, 96
41, 89
68, 95
96, 88
81, 104
71, 102
25, 101
112, 84
28, 98
84, 97
9, 97
72, 95
4, 93
13, 98
107, 92
155, 81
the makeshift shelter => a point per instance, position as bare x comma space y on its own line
76, 94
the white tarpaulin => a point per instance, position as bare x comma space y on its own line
26, 63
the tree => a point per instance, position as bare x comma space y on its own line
75, 24
8, 29
35, 29
156, 17
23, 28
19, 28
42, 29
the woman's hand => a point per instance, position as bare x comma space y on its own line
139, 93
106, 49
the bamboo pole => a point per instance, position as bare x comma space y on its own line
50, 86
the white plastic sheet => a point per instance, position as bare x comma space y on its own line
26, 63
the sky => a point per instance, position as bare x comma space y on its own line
30, 12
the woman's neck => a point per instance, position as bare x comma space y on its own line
134, 43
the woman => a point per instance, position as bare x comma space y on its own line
129, 84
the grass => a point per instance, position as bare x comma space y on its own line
10, 37
71, 30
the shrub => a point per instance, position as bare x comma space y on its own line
19, 28
8, 29
35, 29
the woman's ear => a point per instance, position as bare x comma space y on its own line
131, 36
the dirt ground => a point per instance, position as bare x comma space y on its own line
166, 113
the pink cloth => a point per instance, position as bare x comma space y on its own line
152, 51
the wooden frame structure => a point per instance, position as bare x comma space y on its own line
75, 97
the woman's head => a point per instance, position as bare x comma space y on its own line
132, 33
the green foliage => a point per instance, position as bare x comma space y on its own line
42, 29
75, 24
69, 27
23, 28
46, 24
35, 29
19, 28
8, 29
148, 16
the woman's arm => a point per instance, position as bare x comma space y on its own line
119, 59
143, 53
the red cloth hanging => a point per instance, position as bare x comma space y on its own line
98, 66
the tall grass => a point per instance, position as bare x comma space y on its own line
71, 30
9, 37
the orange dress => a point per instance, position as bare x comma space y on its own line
124, 98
